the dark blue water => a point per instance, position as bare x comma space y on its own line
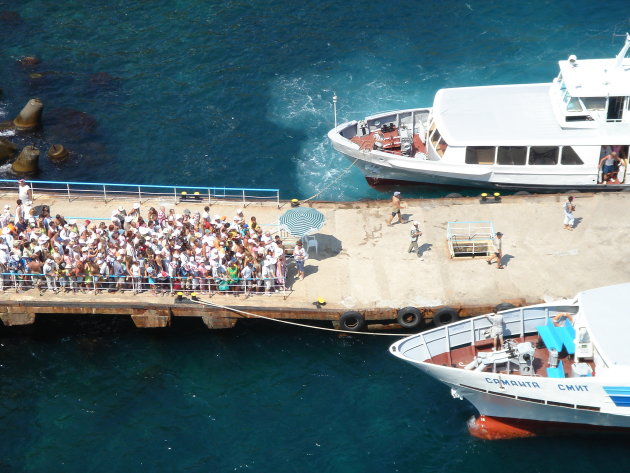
235, 93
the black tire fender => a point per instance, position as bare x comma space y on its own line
409, 317
352, 321
445, 316
504, 306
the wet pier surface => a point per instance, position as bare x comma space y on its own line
362, 264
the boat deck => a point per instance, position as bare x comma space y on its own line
390, 141
462, 356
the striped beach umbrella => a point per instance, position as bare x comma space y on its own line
301, 221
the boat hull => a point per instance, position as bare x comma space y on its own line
501, 428
377, 174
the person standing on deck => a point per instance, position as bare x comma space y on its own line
496, 331
396, 205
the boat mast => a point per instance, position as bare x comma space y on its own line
335, 107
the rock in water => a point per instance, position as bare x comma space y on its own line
30, 116
29, 61
27, 161
7, 150
57, 152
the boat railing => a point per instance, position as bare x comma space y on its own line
517, 323
108, 192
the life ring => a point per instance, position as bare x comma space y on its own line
445, 316
503, 306
352, 321
409, 317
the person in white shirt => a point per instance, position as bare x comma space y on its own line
25, 193
496, 331
299, 255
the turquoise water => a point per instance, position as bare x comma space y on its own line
239, 93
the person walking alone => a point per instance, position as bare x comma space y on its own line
414, 233
569, 208
396, 205
498, 250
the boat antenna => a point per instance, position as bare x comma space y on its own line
335, 107
623, 52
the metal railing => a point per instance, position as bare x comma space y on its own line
96, 284
109, 192
469, 238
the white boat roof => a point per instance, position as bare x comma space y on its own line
606, 313
596, 77
512, 115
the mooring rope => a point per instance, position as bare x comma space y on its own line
251, 314
343, 173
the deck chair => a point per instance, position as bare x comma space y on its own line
566, 333
550, 337
310, 242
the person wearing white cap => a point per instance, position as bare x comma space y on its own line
415, 233
25, 193
396, 205
50, 271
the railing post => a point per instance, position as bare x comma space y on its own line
278, 198
105, 194
139, 195
175, 195
209, 197
68, 187
243, 197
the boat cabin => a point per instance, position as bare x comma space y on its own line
593, 90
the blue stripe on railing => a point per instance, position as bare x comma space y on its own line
144, 185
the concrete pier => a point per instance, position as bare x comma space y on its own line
362, 265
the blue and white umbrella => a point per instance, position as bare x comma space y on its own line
301, 221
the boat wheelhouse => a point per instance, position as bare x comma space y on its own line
549, 136
564, 365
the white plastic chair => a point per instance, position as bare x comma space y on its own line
310, 242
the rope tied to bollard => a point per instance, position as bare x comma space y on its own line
251, 314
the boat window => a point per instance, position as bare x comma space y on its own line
480, 155
512, 155
569, 156
615, 109
543, 155
435, 137
594, 103
574, 105
441, 147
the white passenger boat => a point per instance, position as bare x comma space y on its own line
547, 136
563, 375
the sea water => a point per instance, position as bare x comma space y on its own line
234, 93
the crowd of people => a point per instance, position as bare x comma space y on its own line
141, 249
